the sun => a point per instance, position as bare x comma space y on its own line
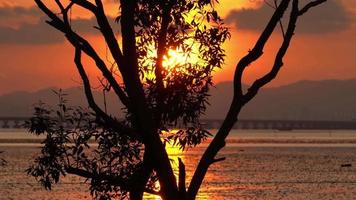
179, 61
173, 58
175, 62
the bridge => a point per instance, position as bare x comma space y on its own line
285, 124
13, 122
18, 122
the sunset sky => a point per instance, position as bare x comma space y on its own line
33, 56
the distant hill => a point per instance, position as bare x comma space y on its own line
22, 103
304, 100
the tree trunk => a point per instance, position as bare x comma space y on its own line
141, 178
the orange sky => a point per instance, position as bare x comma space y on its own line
323, 48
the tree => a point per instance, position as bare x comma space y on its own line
130, 154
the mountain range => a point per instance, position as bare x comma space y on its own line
303, 100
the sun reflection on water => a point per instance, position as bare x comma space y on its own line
174, 153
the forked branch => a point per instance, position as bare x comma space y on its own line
240, 99
107, 121
278, 62
257, 50
219, 140
79, 42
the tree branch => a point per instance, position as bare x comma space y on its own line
162, 43
218, 160
310, 5
239, 100
86, 83
142, 118
109, 36
161, 52
129, 42
257, 50
108, 121
64, 10
141, 177
280, 21
79, 42
85, 4
278, 63
218, 142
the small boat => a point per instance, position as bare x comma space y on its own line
346, 165
284, 129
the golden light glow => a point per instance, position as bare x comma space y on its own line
174, 62
174, 58
174, 152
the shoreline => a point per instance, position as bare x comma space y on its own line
18, 137
230, 143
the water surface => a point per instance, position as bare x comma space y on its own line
283, 165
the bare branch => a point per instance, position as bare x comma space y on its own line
310, 5
257, 50
129, 37
89, 50
280, 21
218, 159
107, 120
131, 72
105, 28
237, 103
239, 100
79, 42
278, 63
85, 4
86, 83
56, 22
109, 36
269, 4
64, 11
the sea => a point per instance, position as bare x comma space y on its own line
259, 165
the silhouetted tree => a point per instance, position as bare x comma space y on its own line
130, 154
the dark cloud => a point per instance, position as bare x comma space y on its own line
329, 17
38, 32
9, 12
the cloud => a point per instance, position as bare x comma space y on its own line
30, 34
37, 32
329, 17
9, 11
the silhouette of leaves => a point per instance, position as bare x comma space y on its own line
76, 144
